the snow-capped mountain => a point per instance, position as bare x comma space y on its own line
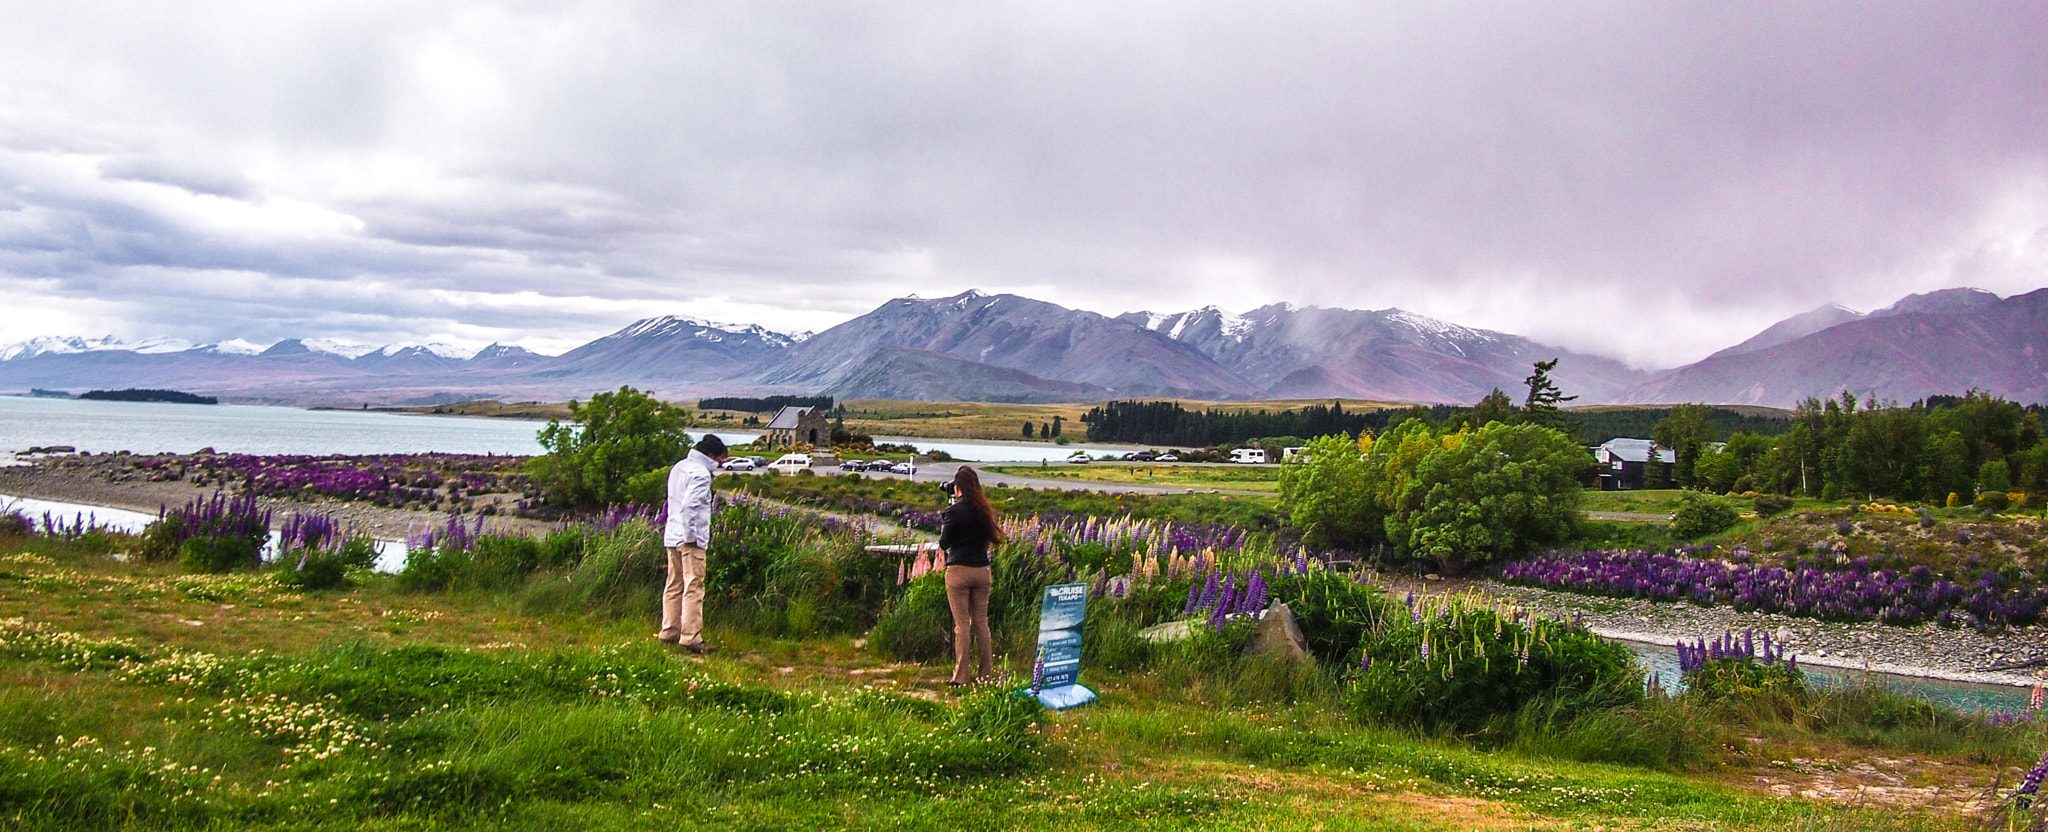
68, 344
1285, 352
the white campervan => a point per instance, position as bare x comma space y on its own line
790, 464
1249, 456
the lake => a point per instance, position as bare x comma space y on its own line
151, 427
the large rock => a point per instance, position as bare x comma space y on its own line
1278, 635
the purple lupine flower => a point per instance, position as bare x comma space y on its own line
1209, 594
1364, 660
1038, 673
2031, 783
1218, 618
1194, 598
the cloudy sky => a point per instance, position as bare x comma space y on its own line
1651, 181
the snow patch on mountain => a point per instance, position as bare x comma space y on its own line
345, 349
70, 344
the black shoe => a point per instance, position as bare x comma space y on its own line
700, 649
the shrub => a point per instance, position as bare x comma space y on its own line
1461, 668
1699, 515
1745, 678
1335, 613
324, 568
916, 625
217, 554
1771, 505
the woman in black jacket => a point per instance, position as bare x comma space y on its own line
970, 529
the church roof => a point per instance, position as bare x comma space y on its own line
786, 420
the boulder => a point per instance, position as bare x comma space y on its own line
1170, 631
1278, 635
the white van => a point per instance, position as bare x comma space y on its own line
789, 464
1249, 456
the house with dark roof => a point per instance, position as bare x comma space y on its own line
800, 426
1625, 465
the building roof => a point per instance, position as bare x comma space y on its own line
1636, 450
786, 420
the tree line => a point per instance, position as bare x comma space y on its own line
765, 404
1948, 450
1168, 423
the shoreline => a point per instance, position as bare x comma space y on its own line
47, 482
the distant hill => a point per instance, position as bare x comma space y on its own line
1933, 344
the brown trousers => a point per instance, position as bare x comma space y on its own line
682, 598
967, 593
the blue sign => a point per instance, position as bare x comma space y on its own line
1056, 676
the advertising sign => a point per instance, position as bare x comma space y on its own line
1056, 675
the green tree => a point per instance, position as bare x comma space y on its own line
1945, 467
1541, 406
614, 439
1495, 407
1686, 431
1487, 494
1328, 493
1056, 421
1027, 430
1885, 448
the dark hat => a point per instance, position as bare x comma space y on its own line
711, 445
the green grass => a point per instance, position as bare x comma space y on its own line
378, 708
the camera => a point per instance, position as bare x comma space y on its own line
951, 488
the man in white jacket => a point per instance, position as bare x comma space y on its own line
687, 536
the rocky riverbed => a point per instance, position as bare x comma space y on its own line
1926, 650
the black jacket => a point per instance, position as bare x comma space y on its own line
964, 537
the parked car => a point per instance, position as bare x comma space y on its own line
791, 463
1144, 456
902, 468
881, 465
1079, 457
759, 461
739, 463
853, 465
1166, 458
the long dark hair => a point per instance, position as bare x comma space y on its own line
969, 485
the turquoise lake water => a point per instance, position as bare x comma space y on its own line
149, 427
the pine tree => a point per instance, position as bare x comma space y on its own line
1541, 407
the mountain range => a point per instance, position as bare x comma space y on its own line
978, 347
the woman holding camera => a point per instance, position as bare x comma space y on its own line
970, 529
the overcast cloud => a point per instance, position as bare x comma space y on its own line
1651, 181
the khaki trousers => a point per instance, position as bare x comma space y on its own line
682, 598
967, 594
